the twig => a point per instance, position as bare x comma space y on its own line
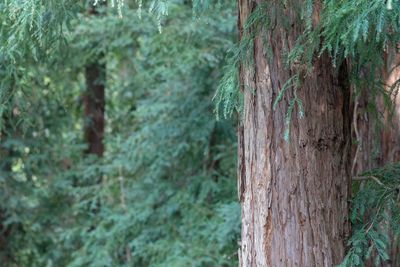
363, 178
355, 119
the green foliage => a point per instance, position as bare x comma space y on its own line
293, 82
359, 34
229, 98
375, 216
167, 196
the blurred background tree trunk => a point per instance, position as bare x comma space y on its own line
94, 99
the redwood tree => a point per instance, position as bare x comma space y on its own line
294, 194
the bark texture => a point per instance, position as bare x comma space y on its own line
294, 195
391, 135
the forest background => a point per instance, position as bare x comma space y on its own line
118, 129
163, 193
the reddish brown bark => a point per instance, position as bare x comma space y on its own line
94, 101
294, 195
380, 146
391, 135
94, 106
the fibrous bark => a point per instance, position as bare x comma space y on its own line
294, 194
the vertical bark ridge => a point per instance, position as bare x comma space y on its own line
294, 203
391, 137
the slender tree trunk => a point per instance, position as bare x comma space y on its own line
4, 231
94, 106
378, 146
294, 195
94, 100
5, 173
391, 136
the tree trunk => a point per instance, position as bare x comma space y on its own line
94, 101
94, 106
294, 194
391, 136
6, 154
378, 147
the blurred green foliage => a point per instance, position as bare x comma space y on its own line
168, 190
